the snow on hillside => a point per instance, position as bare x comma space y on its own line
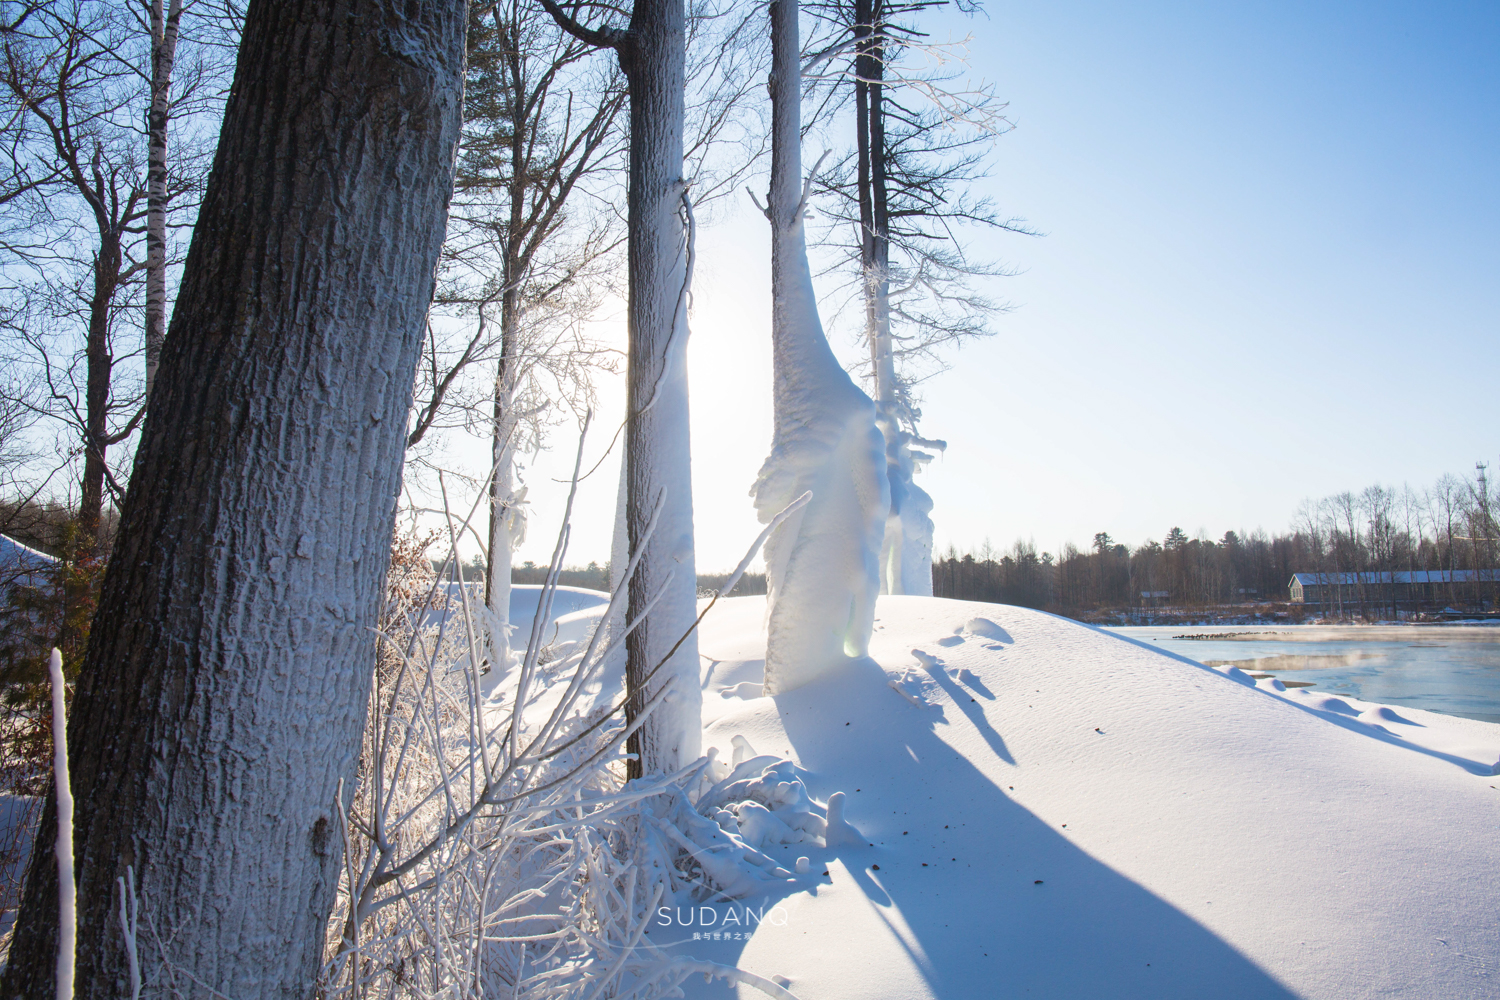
20, 563
565, 601
1055, 811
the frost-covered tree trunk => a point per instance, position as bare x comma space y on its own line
657, 452
822, 563
224, 691
906, 551
658, 468
527, 152
164, 25
507, 522
507, 518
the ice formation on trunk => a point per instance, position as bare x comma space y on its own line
821, 564
906, 550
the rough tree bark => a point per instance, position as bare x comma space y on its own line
652, 54
822, 565
164, 25
224, 690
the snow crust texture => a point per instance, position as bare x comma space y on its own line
1046, 809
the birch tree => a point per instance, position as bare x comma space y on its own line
221, 700
161, 21
663, 649
822, 568
164, 24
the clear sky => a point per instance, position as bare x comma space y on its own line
1270, 271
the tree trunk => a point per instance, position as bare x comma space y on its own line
507, 520
656, 435
224, 691
822, 564
906, 551
878, 279
99, 372
865, 68
163, 55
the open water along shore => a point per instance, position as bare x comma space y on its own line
1454, 669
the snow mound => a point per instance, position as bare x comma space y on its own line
986, 629
524, 598
1078, 815
1382, 713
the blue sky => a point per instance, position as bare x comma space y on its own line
1269, 271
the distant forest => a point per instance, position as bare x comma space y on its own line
1449, 526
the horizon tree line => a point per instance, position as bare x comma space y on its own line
1448, 526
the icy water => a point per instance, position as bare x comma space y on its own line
1442, 668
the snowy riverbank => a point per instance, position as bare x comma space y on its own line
1071, 814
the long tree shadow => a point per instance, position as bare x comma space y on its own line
986, 899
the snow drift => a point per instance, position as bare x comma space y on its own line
1051, 810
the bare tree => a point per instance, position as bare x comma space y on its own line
76, 236
215, 25
903, 195
95, 219
1445, 501
529, 248
225, 687
164, 25
16, 419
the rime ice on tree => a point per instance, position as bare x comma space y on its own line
821, 564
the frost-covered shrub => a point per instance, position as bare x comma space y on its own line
493, 845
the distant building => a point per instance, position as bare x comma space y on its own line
1415, 587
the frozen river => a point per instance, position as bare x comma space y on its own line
1442, 668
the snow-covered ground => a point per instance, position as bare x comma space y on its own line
565, 601
524, 598
20, 563
1056, 811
